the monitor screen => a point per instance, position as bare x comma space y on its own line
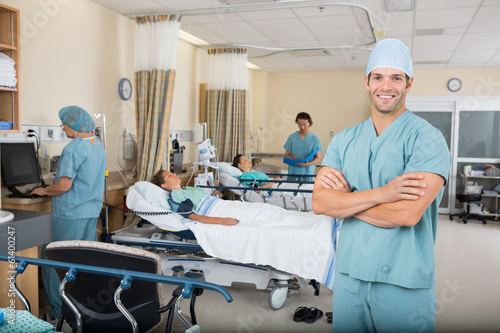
19, 164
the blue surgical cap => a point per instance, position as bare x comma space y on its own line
390, 53
77, 118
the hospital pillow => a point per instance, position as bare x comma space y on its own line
154, 194
229, 169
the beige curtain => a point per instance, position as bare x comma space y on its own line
156, 55
227, 103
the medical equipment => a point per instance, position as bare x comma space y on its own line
176, 157
205, 153
102, 137
136, 305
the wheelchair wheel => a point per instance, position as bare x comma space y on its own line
277, 297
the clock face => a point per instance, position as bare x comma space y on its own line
454, 85
125, 89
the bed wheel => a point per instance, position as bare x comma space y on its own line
277, 297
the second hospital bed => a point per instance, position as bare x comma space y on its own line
299, 199
270, 247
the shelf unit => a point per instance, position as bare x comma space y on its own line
495, 210
10, 45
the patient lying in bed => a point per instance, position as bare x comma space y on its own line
251, 177
291, 241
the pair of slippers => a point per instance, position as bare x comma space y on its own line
309, 315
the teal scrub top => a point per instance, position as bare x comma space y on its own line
83, 160
302, 148
402, 256
260, 177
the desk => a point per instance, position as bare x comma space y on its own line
41, 204
30, 230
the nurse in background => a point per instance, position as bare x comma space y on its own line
300, 145
77, 192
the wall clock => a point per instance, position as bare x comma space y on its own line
454, 85
125, 89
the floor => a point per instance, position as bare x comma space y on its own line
467, 288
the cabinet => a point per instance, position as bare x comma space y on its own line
489, 197
9, 45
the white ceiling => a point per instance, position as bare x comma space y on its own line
306, 35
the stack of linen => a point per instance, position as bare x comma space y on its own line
7, 71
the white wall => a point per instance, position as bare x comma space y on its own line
74, 52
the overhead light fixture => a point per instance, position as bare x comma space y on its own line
429, 32
187, 37
398, 5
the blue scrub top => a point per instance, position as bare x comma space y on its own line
402, 256
83, 160
302, 148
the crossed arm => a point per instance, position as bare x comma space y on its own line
401, 202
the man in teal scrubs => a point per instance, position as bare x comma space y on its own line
385, 177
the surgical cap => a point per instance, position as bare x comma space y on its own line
77, 118
390, 53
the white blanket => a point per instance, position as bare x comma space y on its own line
291, 241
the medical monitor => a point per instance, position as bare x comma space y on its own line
19, 164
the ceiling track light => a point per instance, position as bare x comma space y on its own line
398, 5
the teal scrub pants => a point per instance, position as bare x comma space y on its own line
64, 229
360, 306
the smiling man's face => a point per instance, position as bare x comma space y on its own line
387, 89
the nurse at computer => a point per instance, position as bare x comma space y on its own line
77, 192
303, 146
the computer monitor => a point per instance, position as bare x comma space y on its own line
19, 165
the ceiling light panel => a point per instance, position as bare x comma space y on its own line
398, 5
428, 32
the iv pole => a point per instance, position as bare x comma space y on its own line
103, 138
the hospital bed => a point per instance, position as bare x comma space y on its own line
123, 274
294, 195
210, 257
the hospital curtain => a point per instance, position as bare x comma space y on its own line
227, 102
156, 56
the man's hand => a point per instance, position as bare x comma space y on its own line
334, 179
409, 186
